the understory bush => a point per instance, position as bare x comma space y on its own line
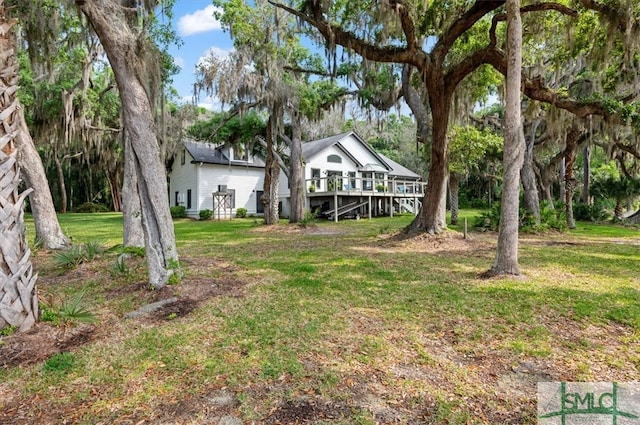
178, 211
91, 207
585, 212
550, 219
241, 212
205, 214
78, 254
71, 309
309, 218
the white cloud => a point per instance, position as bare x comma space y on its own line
211, 104
199, 21
179, 61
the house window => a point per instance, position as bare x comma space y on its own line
379, 178
188, 198
183, 157
352, 180
176, 199
240, 153
367, 181
336, 159
315, 177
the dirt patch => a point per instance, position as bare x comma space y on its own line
189, 295
41, 342
306, 410
296, 229
448, 242
45, 340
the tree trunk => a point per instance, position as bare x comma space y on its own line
133, 233
454, 190
429, 220
49, 235
18, 297
61, 184
271, 171
531, 199
506, 261
125, 52
571, 148
562, 172
586, 174
296, 181
618, 210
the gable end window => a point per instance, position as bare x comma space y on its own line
336, 159
183, 156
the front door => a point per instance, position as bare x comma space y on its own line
259, 205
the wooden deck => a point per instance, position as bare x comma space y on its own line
363, 198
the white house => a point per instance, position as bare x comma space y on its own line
343, 176
202, 173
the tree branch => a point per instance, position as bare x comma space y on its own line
335, 35
408, 27
462, 24
278, 157
616, 15
537, 7
535, 89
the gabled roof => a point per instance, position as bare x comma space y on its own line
399, 170
208, 153
312, 148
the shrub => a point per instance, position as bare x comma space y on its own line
586, 212
488, 220
205, 214
178, 211
241, 212
70, 309
555, 219
91, 207
309, 218
78, 254
70, 258
93, 248
75, 310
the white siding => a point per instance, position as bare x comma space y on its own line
357, 150
246, 181
182, 178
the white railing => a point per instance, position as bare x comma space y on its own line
361, 185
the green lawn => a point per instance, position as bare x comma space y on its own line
339, 323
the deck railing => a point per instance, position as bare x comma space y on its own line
361, 185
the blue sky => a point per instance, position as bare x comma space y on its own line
200, 32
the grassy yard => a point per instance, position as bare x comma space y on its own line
337, 323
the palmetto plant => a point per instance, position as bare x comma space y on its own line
619, 189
